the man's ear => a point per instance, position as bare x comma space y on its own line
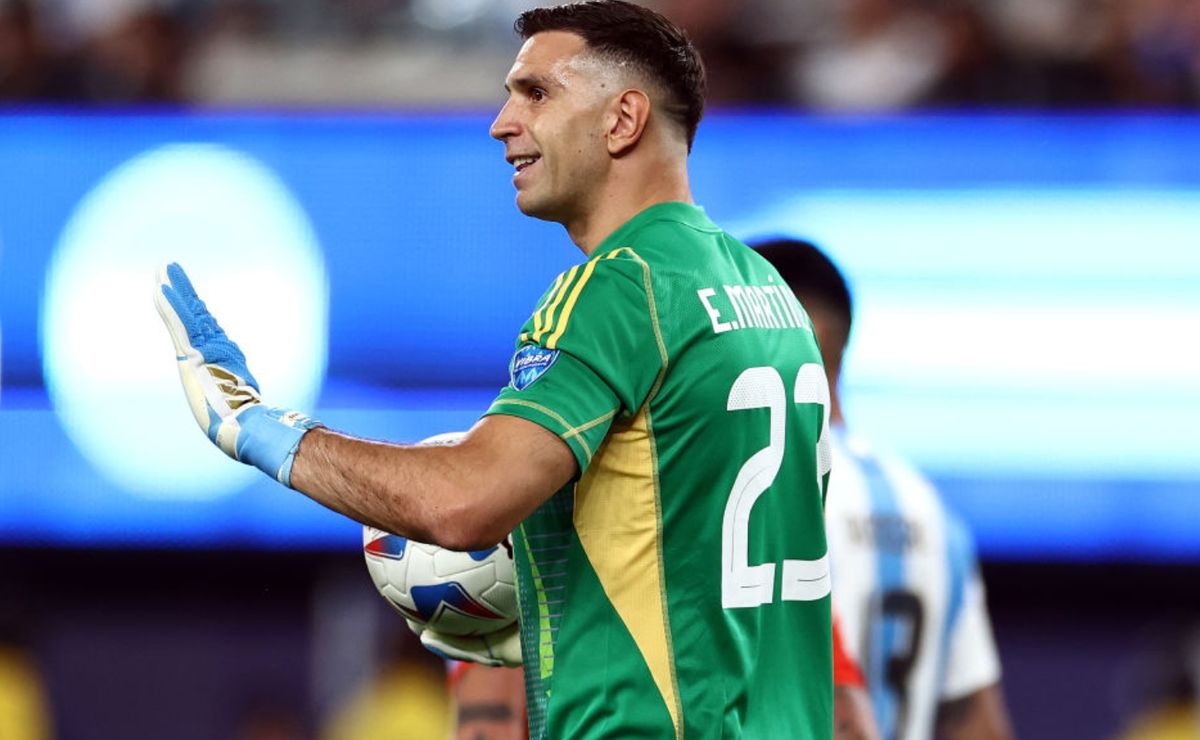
631, 111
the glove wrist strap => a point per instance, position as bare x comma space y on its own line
268, 439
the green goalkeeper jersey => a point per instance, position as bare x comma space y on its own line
680, 586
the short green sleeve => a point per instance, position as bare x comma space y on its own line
590, 352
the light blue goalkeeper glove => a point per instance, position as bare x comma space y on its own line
221, 391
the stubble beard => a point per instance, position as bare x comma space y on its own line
545, 206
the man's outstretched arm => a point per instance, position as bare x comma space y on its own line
462, 496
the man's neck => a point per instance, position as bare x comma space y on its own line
624, 198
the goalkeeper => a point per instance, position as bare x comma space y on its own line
660, 452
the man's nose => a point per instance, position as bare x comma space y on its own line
505, 124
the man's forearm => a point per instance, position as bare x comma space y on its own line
462, 496
396, 488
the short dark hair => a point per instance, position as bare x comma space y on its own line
812, 276
638, 36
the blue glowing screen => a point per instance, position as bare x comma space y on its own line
1027, 296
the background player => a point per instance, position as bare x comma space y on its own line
853, 716
906, 583
489, 702
661, 448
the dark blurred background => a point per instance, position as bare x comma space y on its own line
186, 624
848, 55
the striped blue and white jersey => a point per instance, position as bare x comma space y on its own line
906, 587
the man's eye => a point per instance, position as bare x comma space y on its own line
537, 94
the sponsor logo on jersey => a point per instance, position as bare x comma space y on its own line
530, 363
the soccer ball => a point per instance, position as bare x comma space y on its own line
455, 593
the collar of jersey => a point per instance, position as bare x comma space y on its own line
684, 213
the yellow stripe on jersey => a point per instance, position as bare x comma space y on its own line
539, 314
570, 305
543, 319
576, 431
618, 518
